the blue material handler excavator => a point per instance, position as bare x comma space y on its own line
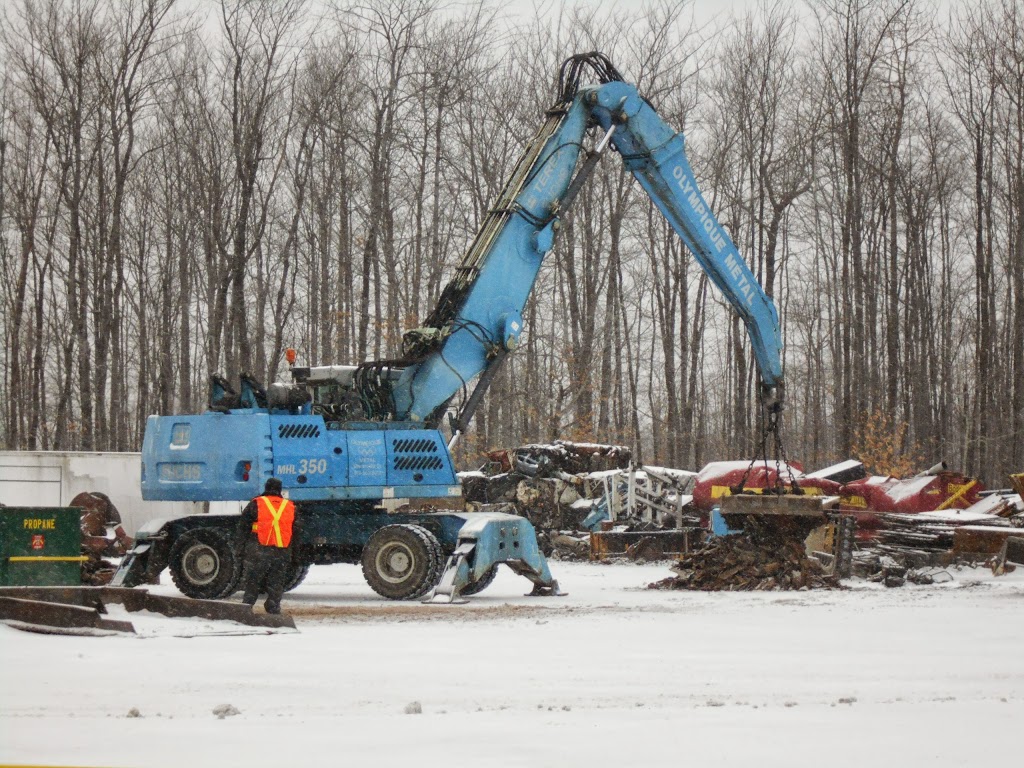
342, 438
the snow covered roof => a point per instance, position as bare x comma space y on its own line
678, 474
719, 468
903, 489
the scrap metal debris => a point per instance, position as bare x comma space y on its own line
102, 536
589, 500
882, 569
760, 559
643, 545
1009, 557
940, 536
562, 456
570, 490
84, 610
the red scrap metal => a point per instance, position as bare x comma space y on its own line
718, 478
102, 533
866, 499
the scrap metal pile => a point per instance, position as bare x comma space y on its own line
570, 491
943, 536
589, 500
562, 456
762, 558
930, 532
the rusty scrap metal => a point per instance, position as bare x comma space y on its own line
44, 616
763, 558
102, 535
563, 456
46, 607
982, 539
1017, 481
645, 545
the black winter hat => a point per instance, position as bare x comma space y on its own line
272, 487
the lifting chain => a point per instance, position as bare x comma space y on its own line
772, 428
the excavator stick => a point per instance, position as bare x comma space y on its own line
484, 543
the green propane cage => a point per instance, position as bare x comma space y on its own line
40, 546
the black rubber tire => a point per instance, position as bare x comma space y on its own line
402, 562
296, 573
482, 583
204, 564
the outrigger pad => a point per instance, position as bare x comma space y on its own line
489, 539
552, 591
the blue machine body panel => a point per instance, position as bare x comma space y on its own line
228, 456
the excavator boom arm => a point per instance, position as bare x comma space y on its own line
655, 155
479, 317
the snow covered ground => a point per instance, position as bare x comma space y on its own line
612, 674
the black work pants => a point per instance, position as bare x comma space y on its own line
266, 570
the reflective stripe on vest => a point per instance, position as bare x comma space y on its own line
274, 521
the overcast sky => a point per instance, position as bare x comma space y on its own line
703, 10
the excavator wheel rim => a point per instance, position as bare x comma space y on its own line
200, 563
394, 561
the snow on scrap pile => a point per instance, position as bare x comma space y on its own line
569, 490
936, 489
929, 532
928, 522
544, 483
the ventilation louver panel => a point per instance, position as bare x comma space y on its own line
298, 431
416, 454
414, 445
414, 463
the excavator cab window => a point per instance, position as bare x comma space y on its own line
337, 403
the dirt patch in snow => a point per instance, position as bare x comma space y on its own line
392, 612
399, 612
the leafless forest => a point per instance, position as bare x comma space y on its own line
194, 188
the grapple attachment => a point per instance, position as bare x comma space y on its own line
484, 542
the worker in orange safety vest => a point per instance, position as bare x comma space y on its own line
267, 527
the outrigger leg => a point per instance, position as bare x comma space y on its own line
484, 542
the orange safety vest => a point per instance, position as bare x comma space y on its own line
274, 518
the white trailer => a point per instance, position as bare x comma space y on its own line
54, 478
